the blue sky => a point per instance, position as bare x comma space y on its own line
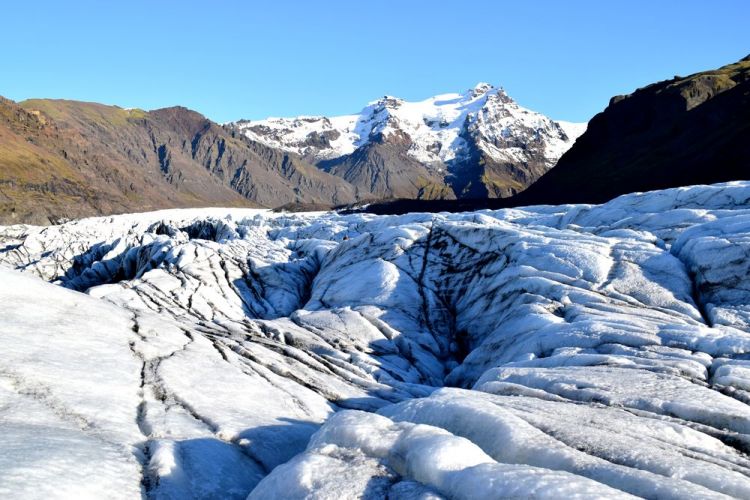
243, 59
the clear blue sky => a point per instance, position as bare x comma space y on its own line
251, 59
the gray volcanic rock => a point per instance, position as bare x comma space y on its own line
257, 172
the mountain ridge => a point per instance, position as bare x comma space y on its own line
476, 143
66, 159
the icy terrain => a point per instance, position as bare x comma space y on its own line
550, 352
438, 128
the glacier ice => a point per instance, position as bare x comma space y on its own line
551, 351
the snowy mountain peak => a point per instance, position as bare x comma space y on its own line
440, 128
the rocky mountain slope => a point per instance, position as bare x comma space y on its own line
688, 130
68, 159
477, 144
550, 352
63, 159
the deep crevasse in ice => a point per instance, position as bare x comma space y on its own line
544, 351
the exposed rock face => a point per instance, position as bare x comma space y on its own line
477, 144
692, 130
383, 169
36, 173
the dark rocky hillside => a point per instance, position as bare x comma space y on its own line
692, 130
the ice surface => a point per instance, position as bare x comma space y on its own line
566, 351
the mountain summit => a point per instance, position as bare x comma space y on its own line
474, 144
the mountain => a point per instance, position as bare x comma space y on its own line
480, 149
547, 352
67, 159
684, 131
473, 145
63, 159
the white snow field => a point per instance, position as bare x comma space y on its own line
543, 352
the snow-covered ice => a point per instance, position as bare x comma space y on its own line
553, 351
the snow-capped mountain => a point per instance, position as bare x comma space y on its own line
572, 351
446, 137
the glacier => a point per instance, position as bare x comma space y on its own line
577, 351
